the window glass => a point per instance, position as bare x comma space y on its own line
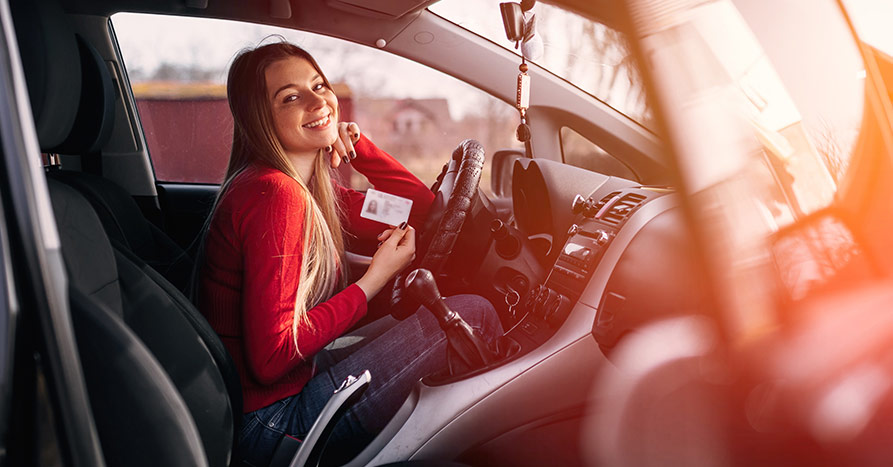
580, 152
586, 53
805, 93
177, 67
770, 98
871, 18
188, 128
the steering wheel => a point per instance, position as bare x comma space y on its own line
454, 193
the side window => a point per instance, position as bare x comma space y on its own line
178, 75
187, 126
578, 151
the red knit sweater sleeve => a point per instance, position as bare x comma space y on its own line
388, 175
271, 229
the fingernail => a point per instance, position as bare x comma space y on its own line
345, 159
379, 243
403, 226
328, 149
356, 136
353, 155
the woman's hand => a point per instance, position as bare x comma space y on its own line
342, 150
395, 252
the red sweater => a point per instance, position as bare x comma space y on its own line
252, 265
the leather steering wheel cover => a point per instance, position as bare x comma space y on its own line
459, 205
470, 154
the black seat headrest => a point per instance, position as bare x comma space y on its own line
52, 67
96, 109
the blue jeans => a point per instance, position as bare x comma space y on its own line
396, 353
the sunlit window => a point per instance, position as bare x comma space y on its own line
177, 68
586, 53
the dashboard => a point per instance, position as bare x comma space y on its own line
581, 260
647, 275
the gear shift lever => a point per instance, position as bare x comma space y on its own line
465, 348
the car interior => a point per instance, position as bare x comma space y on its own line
573, 259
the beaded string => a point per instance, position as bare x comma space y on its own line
523, 101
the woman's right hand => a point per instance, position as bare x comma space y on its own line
396, 251
342, 150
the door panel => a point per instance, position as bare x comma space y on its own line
185, 208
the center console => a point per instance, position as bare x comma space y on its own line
546, 306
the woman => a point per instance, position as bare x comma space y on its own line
273, 282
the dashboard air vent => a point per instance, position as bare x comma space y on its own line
606, 200
622, 208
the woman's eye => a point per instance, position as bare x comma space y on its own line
290, 98
319, 86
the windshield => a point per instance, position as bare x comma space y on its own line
770, 101
592, 56
871, 18
808, 117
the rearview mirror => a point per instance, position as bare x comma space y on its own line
512, 20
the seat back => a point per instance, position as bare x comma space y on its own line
178, 302
115, 289
125, 224
139, 414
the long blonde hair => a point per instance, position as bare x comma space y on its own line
255, 141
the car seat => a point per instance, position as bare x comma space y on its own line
113, 294
136, 407
90, 131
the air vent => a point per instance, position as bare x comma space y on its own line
622, 208
604, 201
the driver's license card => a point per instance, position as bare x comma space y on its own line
385, 207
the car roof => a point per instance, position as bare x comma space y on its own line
313, 15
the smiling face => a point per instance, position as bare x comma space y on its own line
303, 108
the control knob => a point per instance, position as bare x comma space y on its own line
584, 206
507, 246
601, 237
530, 299
579, 204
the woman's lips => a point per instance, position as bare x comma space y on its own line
320, 124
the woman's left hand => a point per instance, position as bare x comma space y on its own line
342, 149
